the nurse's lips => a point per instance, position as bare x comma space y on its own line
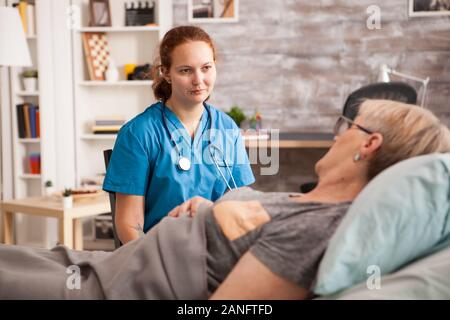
199, 91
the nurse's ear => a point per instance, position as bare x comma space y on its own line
165, 74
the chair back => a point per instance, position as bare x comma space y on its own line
112, 200
396, 91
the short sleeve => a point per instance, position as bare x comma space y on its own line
129, 167
242, 171
293, 248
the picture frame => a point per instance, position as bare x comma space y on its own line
100, 13
428, 8
213, 11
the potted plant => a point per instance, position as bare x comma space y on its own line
30, 80
256, 121
67, 198
49, 188
237, 115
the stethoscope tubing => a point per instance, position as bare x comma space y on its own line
210, 145
226, 166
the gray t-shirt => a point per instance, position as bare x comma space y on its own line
288, 237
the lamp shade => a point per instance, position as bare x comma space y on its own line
13, 44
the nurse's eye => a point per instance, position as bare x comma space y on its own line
206, 68
184, 71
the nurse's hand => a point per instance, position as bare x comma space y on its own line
189, 206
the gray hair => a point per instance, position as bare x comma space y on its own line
407, 131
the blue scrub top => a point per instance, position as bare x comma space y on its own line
144, 160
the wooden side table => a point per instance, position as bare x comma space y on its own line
70, 220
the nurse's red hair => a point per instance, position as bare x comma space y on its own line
173, 38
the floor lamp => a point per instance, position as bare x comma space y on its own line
385, 73
14, 52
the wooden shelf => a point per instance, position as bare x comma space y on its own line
124, 83
99, 136
29, 176
29, 140
119, 29
28, 93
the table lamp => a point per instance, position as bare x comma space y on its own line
385, 73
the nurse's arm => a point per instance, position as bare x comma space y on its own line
129, 216
251, 279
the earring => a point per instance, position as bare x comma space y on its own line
357, 157
168, 81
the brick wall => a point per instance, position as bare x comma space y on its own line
297, 61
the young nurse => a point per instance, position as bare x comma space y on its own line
179, 147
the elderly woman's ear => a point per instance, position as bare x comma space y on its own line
371, 145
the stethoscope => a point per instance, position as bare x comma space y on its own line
184, 163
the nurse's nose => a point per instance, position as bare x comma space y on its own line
197, 77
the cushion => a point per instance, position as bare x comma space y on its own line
400, 216
425, 279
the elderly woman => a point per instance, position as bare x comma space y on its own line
247, 245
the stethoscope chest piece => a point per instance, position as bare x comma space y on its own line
184, 163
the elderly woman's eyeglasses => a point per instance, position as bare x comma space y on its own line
344, 123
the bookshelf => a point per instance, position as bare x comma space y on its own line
26, 183
99, 137
102, 99
120, 83
29, 180
22, 93
30, 176
119, 29
69, 102
29, 140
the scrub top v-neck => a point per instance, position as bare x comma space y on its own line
187, 145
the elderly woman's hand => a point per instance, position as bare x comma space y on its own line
189, 207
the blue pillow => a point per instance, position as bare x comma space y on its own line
400, 216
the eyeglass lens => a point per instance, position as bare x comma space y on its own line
341, 126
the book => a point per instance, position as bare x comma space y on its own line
20, 121
38, 123
109, 122
26, 114
34, 160
106, 132
31, 28
106, 128
22, 6
110, 118
32, 116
